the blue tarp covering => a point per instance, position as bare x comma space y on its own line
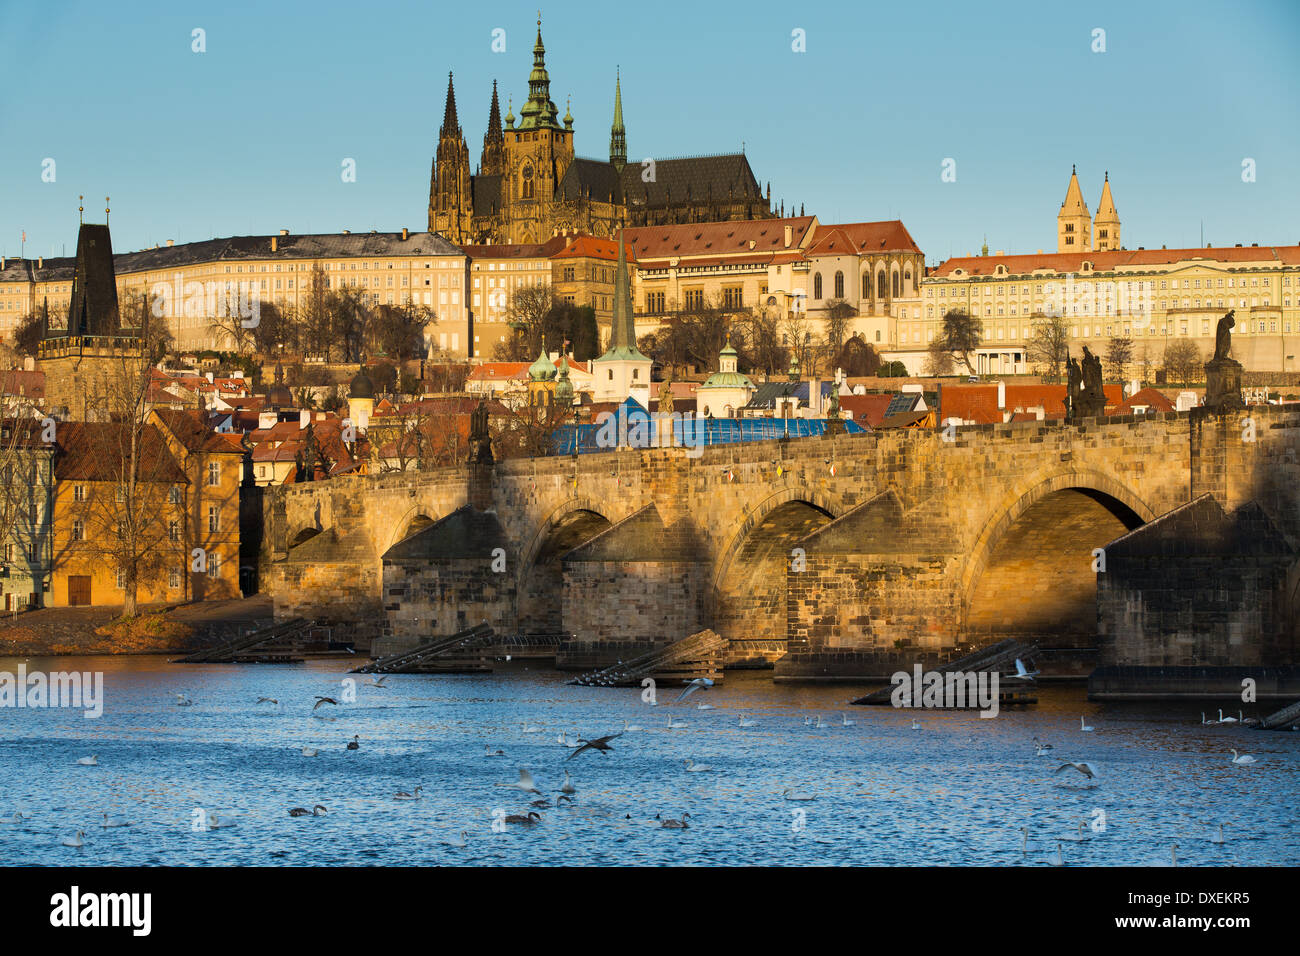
632, 426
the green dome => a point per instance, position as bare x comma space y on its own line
727, 380
542, 370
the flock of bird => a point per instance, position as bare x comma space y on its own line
527, 784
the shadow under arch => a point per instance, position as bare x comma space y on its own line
570, 524
1030, 571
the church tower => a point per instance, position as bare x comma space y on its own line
449, 184
623, 371
1106, 226
493, 160
617, 134
1073, 224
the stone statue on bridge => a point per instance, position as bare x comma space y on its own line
1223, 374
1073, 382
666, 396
480, 442
1091, 400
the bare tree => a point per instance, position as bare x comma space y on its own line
1049, 345
1119, 353
526, 314
938, 360
1182, 361
838, 314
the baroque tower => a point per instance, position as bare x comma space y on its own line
1106, 226
1073, 223
450, 204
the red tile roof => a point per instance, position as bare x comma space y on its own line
595, 248
867, 408
96, 451
713, 239
856, 238
979, 403
1067, 262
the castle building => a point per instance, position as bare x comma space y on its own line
530, 185
1076, 231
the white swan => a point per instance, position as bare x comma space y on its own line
1226, 720
183, 701
674, 724
530, 729
915, 724
456, 841
845, 722
818, 725
309, 751
115, 821
693, 767
1083, 725
798, 795
75, 839
524, 783
747, 722
627, 728
705, 707
567, 786
1242, 758
403, 795
1219, 838
1042, 751
1060, 858
1207, 723
91, 761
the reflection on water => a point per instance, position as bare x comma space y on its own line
956, 791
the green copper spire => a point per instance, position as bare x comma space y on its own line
617, 134
622, 339
542, 370
564, 387
539, 112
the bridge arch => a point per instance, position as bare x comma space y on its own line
749, 579
1030, 573
539, 574
415, 520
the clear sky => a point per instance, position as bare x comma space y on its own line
250, 136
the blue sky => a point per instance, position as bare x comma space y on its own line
249, 137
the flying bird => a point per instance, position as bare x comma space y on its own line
525, 783
1085, 768
324, 700
693, 685
1022, 671
600, 743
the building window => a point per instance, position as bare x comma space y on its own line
214, 518
173, 579
78, 493
817, 286
839, 285
214, 564
78, 530
214, 474
174, 495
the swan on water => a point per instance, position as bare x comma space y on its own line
1226, 720
91, 761
1242, 758
705, 707
674, 724
530, 728
676, 824
845, 721
456, 841
1219, 838
1207, 723
542, 804
747, 722
316, 811
1083, 725
533, 817
489, 752
182, 700
797, 795
403, 795
1059, 860
693, 767
354, 743
567, 786
309, 751
75, 839
1041, 750
524, 783
115, 821
628, 728
818, 725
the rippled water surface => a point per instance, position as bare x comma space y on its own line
956, 791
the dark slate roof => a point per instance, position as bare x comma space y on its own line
766, 394
589, 178
700, 177
320, 245
93, 307
487, 195
465, 534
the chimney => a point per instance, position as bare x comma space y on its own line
1002, 395
999, 253
304, 418
284, 232
405, 233
40, 262
347, 232
170, 243
789, 235
274, 242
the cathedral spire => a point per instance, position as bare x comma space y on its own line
449, 121
539, 112
493, 160
617, 133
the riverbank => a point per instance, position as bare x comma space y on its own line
156, 629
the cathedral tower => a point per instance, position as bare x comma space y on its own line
1073, 224
1106, 226
617, 134
449, 183
493, 160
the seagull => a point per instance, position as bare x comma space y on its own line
845, 721
354, 743
403, 795
75, 840
1022, 671
1226, 720
324, 700
456, 841
676, 824
378, 682
267, 700
525, 783
568, 787
115, 821
1083, 725
600, 743
633, 727
694, 685
316, 811
1242, 758
309, 751
1085, 768
693, 767
674, 724
746, 722
91, 761
532, 818
798, 795
183, 701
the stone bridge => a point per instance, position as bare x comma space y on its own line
899, 539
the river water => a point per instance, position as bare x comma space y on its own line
956, 791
